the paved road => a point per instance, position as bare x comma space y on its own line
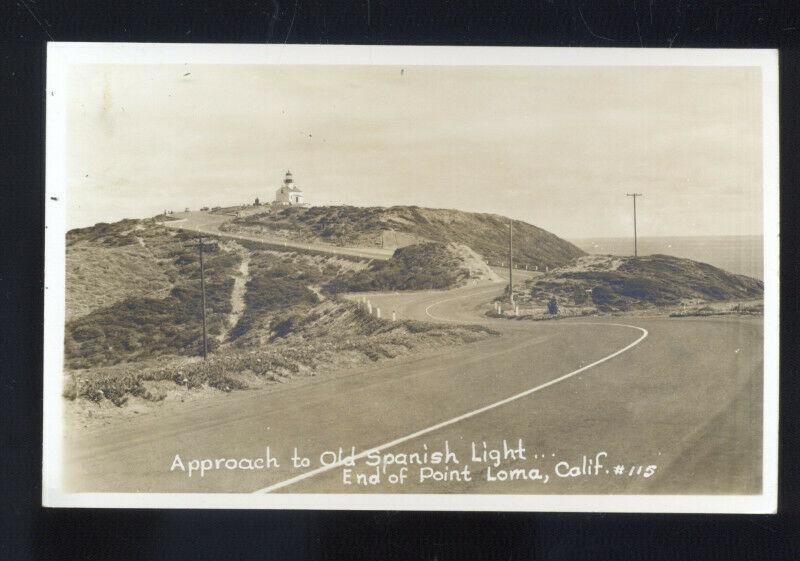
207, 223
686, 398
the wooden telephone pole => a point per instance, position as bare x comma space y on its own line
511, 262
635, 241
203, 292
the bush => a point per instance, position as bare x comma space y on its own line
603, 296
428, 266
275, 286
579, 296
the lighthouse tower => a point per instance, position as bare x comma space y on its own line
289, 193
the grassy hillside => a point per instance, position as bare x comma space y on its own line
416, 267
122, 322
609, 283
125, 318
331, 335
280, 322
110, 262
399, 226
280, 282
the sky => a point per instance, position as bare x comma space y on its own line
558, 147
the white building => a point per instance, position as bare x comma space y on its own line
289, 193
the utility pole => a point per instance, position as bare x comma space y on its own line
635, 241
511, 262
203, 292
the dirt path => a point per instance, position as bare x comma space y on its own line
238, 292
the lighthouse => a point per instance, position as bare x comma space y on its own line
289, 194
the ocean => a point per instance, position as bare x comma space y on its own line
737, 254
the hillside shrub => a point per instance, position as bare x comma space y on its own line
274, 286
428, 266
138, 328
487, 234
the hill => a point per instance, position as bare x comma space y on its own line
136, 325
423, 266
109, 262
400, 226
117, 316
611, 283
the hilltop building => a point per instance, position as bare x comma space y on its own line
289, 194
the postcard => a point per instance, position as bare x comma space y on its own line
414, 278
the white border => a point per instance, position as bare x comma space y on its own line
60, 56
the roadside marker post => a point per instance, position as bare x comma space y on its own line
378, 313
369, 307
394, 315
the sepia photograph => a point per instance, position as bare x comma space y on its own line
411, 278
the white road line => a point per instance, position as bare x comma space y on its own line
473, 413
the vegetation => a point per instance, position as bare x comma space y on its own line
134, 294
741, 308
276, 283
487, 234
623, 283
326, 336
124, 345
141, 327
415, 267
108, 263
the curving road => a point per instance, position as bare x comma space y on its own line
207, 223
686, 398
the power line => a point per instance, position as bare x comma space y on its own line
203, 292
635, 241
511, 262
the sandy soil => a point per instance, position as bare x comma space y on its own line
239, 289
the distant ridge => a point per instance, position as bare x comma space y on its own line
615, 283
400, 226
